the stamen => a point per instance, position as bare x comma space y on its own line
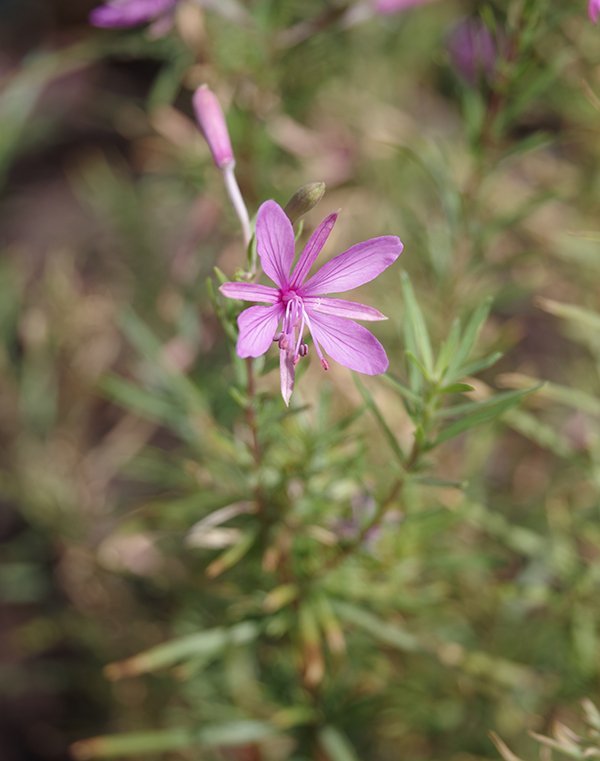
325, 363
303, 350
301, 329
283, 342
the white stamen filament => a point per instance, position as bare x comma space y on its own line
237, 201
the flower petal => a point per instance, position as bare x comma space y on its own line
349, 343
341, 308
275, 242
257, 327
250, 292
287, 373
356, 266
129, 12
312, 249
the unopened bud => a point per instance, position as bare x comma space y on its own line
474, 51
211, 119
303, 200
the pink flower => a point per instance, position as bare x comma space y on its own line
209, 115
594, 10
296, 303
127, 13
387, 7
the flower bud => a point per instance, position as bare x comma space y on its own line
594, 10
303, 200
388, 7
209, 115
473, 51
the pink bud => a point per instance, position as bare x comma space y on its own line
388, 7
209, 115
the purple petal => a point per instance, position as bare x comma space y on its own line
275, 242
312, 249
342, 308
356, 266
594, 10
125, 13
349, 343
287, 372
257, 328
250, 292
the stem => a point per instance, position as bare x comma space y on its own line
251, 412
237, 201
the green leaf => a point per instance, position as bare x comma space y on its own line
134, 743
468, 340
232, 556
204, 644
417, 336
478, 365
227, 734
448, 350
418, 365
571, 397
336, 746
456, 388
403, 390
573, 313
475, 413
543, 435
389, 634
138, 400
386, 430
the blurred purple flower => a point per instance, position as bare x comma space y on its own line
296, 303
209, 115
128, 13
388, 7
473, 50
594, 10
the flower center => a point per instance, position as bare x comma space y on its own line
295, 321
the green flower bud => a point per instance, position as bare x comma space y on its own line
303, 200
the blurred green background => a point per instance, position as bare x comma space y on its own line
112, 216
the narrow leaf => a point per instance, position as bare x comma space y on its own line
336, 745
483, 413
387, 432
415, 324
204, 644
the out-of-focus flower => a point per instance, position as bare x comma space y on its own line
388, 7
128, 13
296, 303
594, 10
473, 50
211, 119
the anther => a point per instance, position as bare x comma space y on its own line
325, 364
277, 337
303, 350
283, 343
